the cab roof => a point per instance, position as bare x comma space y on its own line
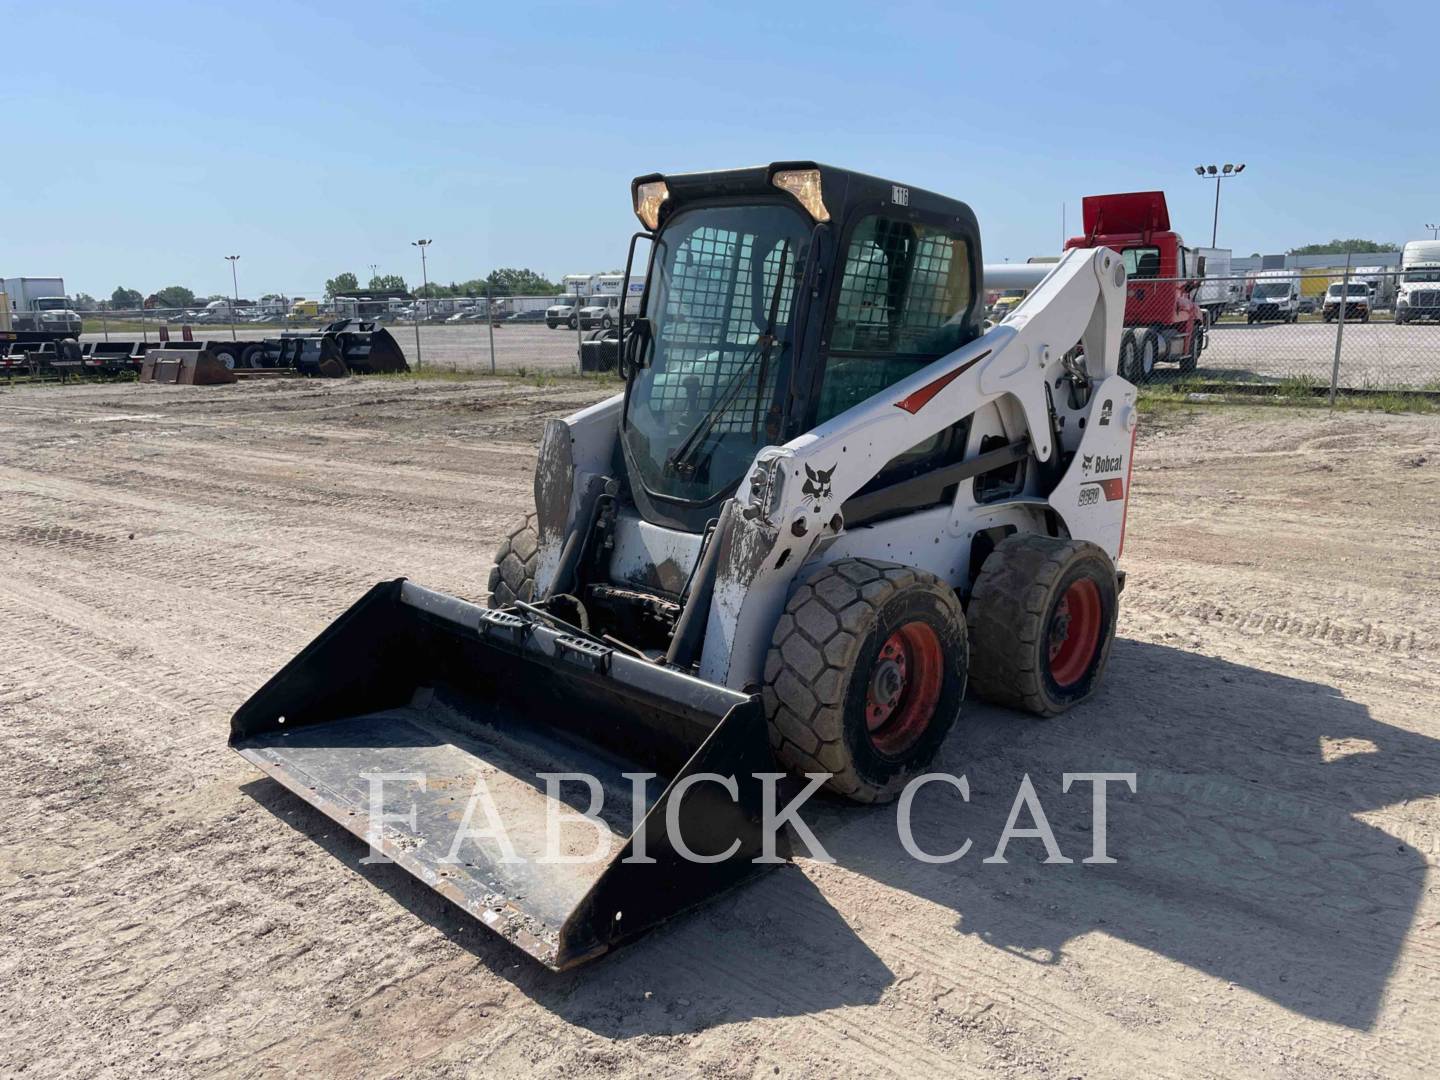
841, 189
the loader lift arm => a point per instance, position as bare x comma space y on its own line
1081, 300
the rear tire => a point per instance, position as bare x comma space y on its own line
1042, 619
513, 575
865, 676
253, 356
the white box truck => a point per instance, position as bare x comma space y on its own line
1418, 295
608, 293
565, 310
1219, 288
39, 304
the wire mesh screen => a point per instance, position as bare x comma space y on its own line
902, 283
713, 319
903, 296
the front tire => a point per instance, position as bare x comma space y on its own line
865, 676
1149, 355
513, 575
1191, 360
574, 323
1129, 366
1042, 619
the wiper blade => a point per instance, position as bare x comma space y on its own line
680, 458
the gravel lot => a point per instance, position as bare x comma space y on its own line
167, 911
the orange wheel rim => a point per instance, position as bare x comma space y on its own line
904, 688
1074, 632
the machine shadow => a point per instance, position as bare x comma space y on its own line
770, 947
1240, 854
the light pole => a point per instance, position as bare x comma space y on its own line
235, 284
1434, 231
424, 288
1217, 173
374, 273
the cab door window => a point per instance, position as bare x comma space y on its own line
905, 299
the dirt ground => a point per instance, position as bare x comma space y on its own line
166, 910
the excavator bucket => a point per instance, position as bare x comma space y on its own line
434, 729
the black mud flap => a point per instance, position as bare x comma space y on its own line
413, 703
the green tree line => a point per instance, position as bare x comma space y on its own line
507, 281
1343, 247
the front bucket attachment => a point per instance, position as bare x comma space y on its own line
190, 367
426, 725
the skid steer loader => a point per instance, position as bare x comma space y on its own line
824, 502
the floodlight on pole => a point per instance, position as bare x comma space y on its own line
424, 289
1217, 173
235, 285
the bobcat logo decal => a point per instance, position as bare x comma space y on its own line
1085, 463
817, 482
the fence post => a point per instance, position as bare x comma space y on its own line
1340, 327
490, 322
104, 323
579, 335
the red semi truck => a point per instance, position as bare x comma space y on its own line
1163, 322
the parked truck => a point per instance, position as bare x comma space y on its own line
1163, 321
1275, 297
39, 304
1382, 285
1219, 287
1418, 295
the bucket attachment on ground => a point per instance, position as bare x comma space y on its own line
191, 367
439, 712
342, 348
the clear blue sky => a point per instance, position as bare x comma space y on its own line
170, 135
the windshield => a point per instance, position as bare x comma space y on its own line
51, 303
1354, 289
1272, 289
1430, 274
716, 281
1141, 262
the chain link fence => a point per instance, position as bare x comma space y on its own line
504, 335
1284, 328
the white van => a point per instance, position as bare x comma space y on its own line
1275, 297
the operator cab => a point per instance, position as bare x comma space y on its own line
778, 297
